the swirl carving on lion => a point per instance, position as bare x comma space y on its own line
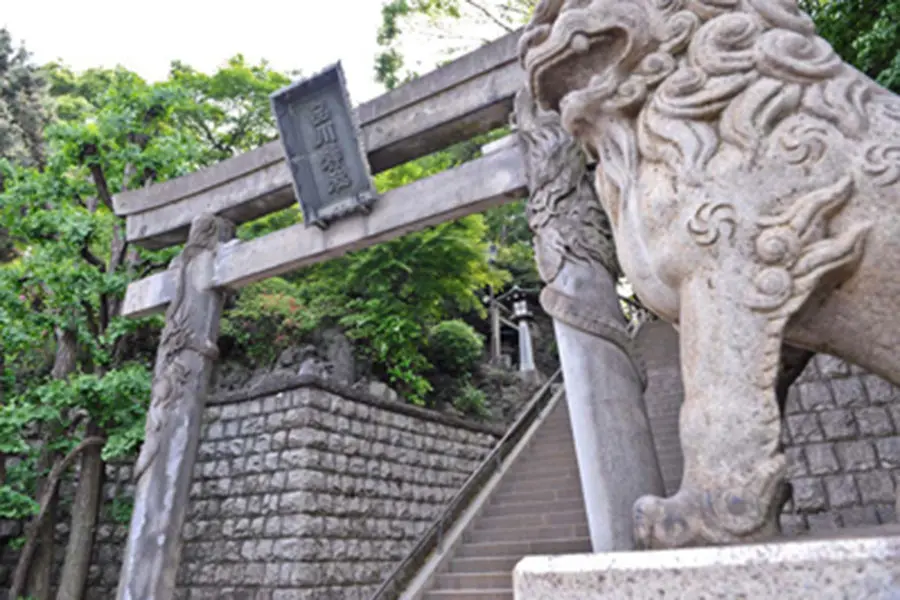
752, 181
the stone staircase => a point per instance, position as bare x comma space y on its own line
536, 509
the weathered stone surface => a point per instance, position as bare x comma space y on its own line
833, 569
360, 483
821, 459
657, 342
749, 226
184, 367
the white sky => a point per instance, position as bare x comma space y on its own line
146, 36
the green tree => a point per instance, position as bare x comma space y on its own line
865, 33
72, 273
455, 347
85, 394
22, 104
386, 297
23, 115
229, 110
416, 35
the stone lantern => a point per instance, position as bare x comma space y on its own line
523, 316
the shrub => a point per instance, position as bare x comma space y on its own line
471, 401
267, 318
454, 347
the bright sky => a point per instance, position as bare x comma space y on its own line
146, 36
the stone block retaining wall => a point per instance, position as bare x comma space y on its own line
842, 440
305, 489
316, 491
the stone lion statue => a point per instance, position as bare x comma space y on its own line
752, 180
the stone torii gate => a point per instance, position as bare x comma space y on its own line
472, 95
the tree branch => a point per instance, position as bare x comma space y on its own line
485, 11
217, 144
102, 187
149, 267
89, 256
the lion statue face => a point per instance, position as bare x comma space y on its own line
575, 46
591, 58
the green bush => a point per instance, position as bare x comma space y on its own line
454, 347
471, 401
268, 317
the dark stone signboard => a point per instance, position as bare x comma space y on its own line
321, 141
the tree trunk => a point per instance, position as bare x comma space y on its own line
84, 518
40, 572
2, 392
66, 354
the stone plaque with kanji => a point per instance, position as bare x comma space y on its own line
321, 142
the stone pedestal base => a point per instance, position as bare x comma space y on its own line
861, 566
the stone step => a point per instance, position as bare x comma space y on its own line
524, 534
478, 581
515, 485
560, 426
484, 564
533, 474
552, 439
541, 449
541, 446
501, 594
539, 464
549, 455
536, 478
556, 467
537, 509
550, 517
546, 436
563, 546
533, 508
548, 445
543, 495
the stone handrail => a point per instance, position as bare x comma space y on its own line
432, 538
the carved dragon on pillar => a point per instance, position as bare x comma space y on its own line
572, 234
752, 182
173, 373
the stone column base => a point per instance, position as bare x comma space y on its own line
849, 565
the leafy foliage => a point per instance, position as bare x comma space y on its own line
865, 33
418, 34
228, 110
470, 400
386, 297
267, 318
23, 112
454, 347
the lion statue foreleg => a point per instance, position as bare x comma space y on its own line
732, 321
